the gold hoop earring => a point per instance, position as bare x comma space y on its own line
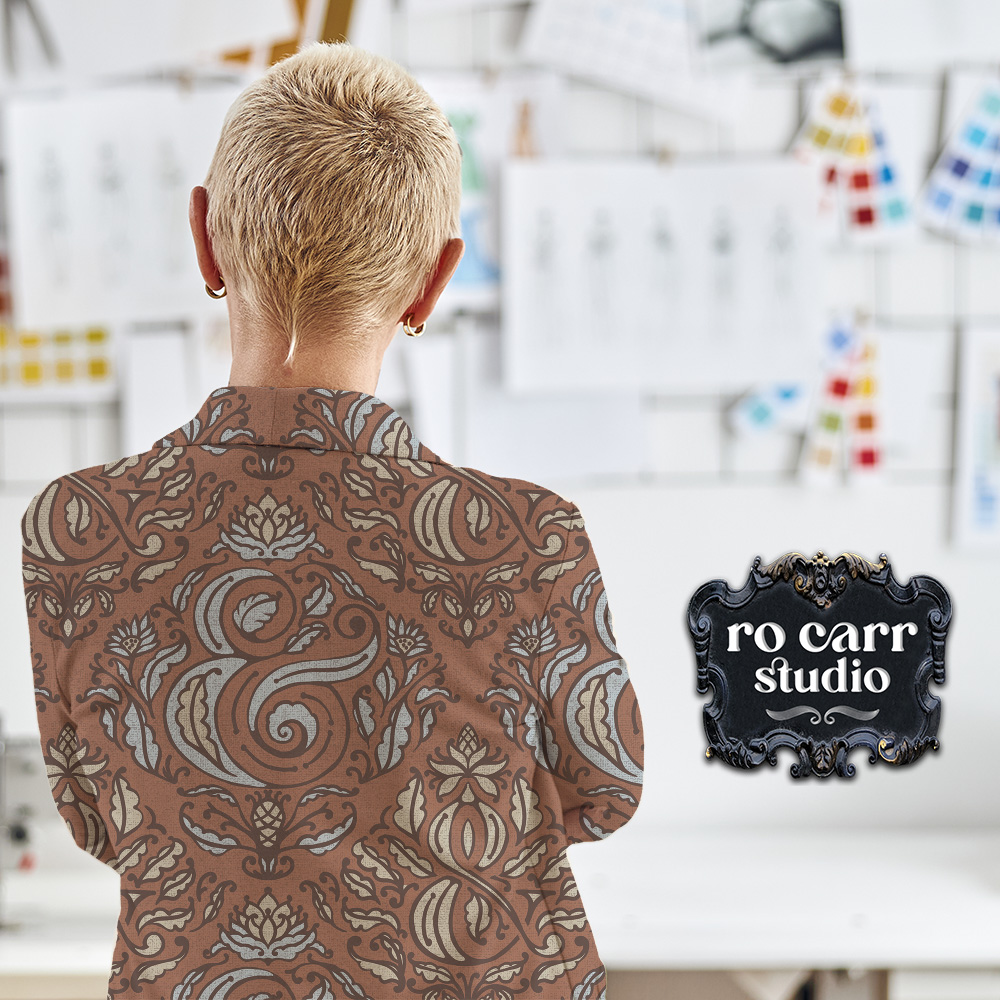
409, 330
216, 295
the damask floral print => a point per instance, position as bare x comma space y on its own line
331, 707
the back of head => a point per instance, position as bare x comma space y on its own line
334, 187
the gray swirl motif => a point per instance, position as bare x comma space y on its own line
827, 717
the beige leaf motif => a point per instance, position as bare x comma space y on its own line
77, 515
477, 514
504, 972
119, 467
124, 801
363, 520
169, 520
177, 484
432, 914
496, 835
362, 886
365, 920
411, 812
167, 459
175, 884
361, 485
571, 520
430, 572
432, 973
104, 573
477, 915
131, 856
592, 716
377, 465
31, 572
527, 858
370, 859
380, 970
163, 860
432, 520
418, 466
524, 806
571, 920
407, 858
38, 540
191, 719
151, 972
95, 832
505, 572
552, 571
550, 973
169, 920
558, 865
379, 569
398, 439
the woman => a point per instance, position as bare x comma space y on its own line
332, 707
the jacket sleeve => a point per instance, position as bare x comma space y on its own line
592, 738
73, 768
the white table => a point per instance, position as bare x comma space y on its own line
715, 901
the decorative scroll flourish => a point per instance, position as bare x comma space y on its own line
827, 716
820, 579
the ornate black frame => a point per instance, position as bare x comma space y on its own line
820, 580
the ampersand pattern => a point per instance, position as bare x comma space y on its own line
331, 707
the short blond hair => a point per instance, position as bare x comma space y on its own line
335, 184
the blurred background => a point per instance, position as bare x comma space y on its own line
731, 284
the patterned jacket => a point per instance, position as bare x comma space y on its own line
331, 707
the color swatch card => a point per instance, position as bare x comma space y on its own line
844, 435
70, 363
962, 195
643, 47
779, 407
843, 139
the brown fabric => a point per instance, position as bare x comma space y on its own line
331, 707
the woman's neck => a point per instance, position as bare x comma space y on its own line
333, 359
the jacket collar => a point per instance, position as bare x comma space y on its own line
297, 417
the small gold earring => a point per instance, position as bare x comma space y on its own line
409, 330
216, 295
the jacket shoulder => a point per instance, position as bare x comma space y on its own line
38, 513
519, 493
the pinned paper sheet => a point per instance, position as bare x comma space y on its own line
624, 274
920, 35
98, 186
962, 195
463, 412
844, 141
976, 508
643, 47
516, 114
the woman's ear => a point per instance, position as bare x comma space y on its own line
446, 265
198, 217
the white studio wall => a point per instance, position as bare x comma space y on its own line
630, 375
